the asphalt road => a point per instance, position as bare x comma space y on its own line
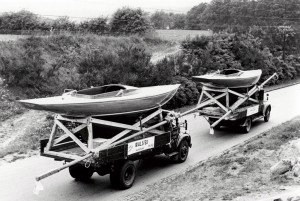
17, 179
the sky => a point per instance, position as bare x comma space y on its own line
94, 8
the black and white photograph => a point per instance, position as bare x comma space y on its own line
136, 100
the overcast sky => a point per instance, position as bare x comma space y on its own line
94, 8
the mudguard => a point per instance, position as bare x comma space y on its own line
183, 136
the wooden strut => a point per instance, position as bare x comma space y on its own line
241, 101
56, 170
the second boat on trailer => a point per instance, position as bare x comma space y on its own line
231, 78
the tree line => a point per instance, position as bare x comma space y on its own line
124, 21
218, 15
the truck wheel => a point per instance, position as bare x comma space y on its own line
267, 114
248, 124
81, 173
123, 175
183, 151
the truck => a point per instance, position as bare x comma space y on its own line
84, 145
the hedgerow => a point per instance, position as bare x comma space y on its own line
241, 51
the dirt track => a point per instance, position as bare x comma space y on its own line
18, 126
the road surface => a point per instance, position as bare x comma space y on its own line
17, 179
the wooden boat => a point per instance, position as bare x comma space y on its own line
108, 100
231, 78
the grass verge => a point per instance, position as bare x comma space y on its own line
8, 105
241, 171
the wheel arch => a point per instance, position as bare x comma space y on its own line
184, 136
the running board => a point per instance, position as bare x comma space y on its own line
172, 154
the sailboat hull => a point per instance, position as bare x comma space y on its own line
132, 101
241, 79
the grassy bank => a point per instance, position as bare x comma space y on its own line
21, 137
241, 171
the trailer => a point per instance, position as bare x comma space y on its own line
233, 106
95, 144
243, 116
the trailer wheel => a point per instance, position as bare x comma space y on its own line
123, 175
81, 173
183, 151
248, 124
267, 114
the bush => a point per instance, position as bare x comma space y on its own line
130, 21
118, 60
240, 51
187, 93
23, 67
97, 26
40, 66
22, 20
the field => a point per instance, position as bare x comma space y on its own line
179, 35
170, 35
10, 37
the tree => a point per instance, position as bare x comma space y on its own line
179, 21
286, 32
22, 20
281, 40
194, 17
160, 20
97, 26
130, 21
63, 24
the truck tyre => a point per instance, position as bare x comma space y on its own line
183, 151
123, 175
267, 114
81, 173
248, 124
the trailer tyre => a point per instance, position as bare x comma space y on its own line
267, 114
248, 124
81, 173
183, 151
123, 175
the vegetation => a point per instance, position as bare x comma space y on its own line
44, 66
276, 22
204, 54
124, 21
194, 17
239, 14
163, 20
129, 21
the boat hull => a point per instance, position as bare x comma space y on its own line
103, 107
240, 81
